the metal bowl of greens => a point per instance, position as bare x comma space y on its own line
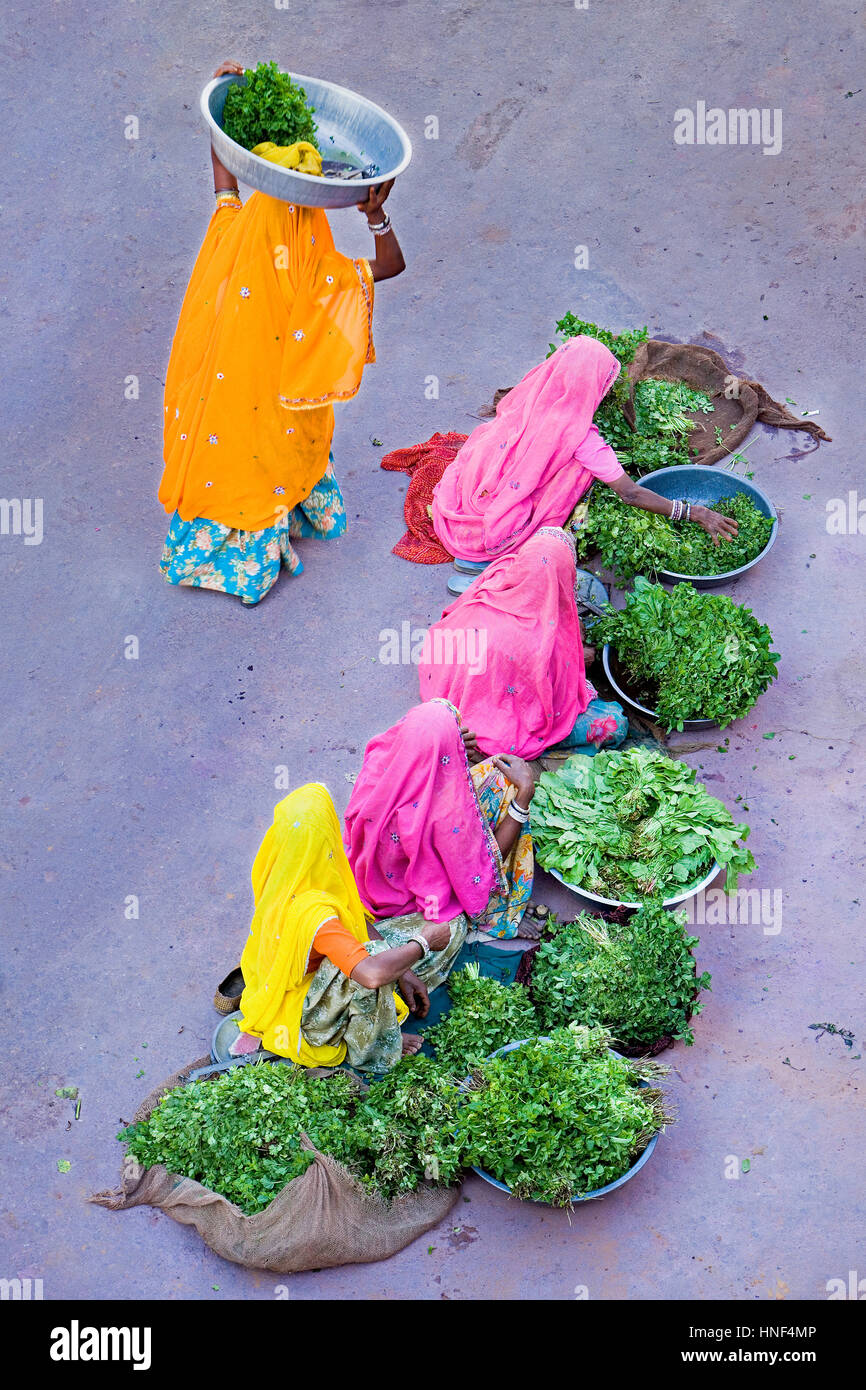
696, 482
361, 146
618, 681
600, 1191
628, 825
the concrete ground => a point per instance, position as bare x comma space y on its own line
155, 777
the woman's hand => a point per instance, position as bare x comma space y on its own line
375, 198
721, 528
414, 991
225, 69
470, 743
388, 260
520, 773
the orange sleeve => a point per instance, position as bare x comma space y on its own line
339, 945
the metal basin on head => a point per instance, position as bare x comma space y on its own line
350, 128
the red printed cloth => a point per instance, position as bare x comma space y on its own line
425, 464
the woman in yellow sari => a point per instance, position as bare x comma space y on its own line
276, 326
319, 978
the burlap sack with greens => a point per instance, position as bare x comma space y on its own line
737, 402
258, 1134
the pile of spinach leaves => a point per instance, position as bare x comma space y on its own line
660, 438
630, 541
659, 407
484, 1016
239, 1133
633, 825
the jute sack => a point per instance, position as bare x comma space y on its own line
321, 1219
737, 400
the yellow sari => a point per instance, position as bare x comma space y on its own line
301, 876
276, 326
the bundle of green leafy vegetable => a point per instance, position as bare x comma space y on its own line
403, 1130
659, 407
269, 107
239, 1133
609, 415
630, 541
484, 1016
623, 345
636, 978
689, 653
562, 1116
633, 825
660, 439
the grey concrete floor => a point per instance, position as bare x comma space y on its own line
154, 778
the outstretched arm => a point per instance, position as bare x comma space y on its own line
519, 772
721, 528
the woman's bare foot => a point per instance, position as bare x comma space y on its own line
529, 929
411, 1043
588, 655
244, 1044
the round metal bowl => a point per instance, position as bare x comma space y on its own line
589, 589
607, 659
225, 1034
350, 128
697, 482
675, 901
600, 1191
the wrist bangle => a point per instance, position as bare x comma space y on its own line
380, 228
516, 814
422, 942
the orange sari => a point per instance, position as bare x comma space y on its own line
275, 326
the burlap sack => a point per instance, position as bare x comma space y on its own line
738, 401
321, 1219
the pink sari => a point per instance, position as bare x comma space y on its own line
415, 834
530, 466
509, 653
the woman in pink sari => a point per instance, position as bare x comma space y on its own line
530, 466
429, 834
509, 652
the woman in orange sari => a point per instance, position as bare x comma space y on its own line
276, 326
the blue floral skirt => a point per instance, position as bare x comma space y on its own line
204, 554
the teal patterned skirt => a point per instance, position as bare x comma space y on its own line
203, 554
603, 724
